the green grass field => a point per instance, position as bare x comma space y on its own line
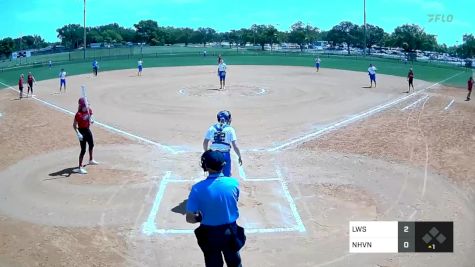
424, 71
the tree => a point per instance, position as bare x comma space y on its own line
271, 35
374, 36
412, 37
71, 35
147, 31
345, 33
6, 46
245, 36
260, 35
467, 49
297, 34
185, 35
203, 35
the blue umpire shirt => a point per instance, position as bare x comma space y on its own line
217, 198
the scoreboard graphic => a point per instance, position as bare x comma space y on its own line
395, 237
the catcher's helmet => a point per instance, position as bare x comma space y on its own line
224, 116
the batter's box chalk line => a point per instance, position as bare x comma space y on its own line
150, 226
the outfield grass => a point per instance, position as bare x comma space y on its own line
423, 71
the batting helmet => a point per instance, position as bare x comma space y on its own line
224, 116
82, 102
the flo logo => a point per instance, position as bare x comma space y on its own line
440, 18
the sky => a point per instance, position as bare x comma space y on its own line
43, 17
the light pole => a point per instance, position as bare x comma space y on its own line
84, 47
364, 27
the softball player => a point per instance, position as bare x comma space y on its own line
222, 137
469, 88
372, 75
81, 124
410, 79
95, 66
31, 79
139, 66
222, 74
317, 63
20, 85
62, 80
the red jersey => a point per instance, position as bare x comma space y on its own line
83, 119
30, 78
470, 84
410, 75
20, 83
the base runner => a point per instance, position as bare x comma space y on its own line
81, 124
31, 79
410, 79
20, 85
469, 88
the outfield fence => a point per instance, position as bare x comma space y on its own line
137, 52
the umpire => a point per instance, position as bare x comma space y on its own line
214, 203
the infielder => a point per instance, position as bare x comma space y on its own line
372, 75
62, 80
31, 79
222, 74
82, 122
222, 137
95, 66
317, 63
410, 79
139, 66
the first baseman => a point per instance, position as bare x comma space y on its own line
372, 75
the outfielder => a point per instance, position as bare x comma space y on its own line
222, 74
222, 137
81, 124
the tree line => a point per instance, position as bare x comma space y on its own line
409, 37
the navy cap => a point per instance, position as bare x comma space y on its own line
213, 160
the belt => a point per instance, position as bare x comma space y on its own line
221, 226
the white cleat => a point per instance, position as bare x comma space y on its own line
81, 170
93, 162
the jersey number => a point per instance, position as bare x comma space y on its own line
219, 137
